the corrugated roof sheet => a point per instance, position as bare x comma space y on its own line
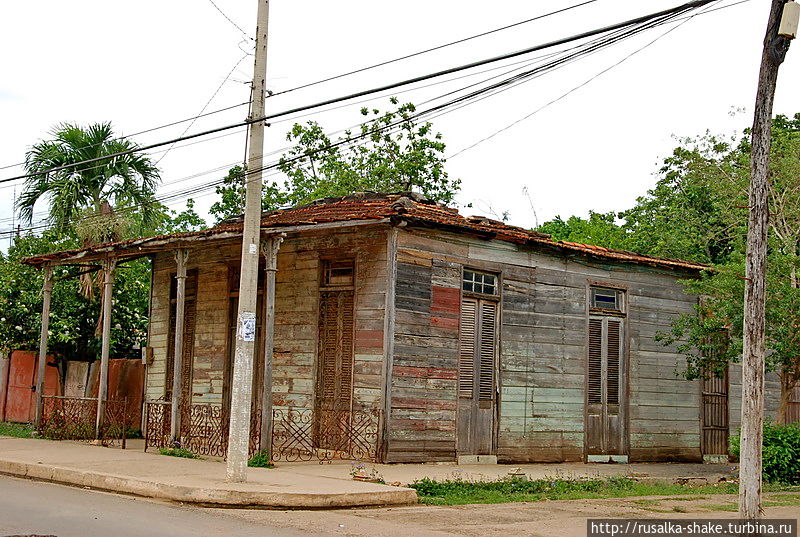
407, 207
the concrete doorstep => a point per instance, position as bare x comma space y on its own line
188, 480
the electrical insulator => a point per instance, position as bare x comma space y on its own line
789, 20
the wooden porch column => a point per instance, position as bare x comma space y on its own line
181, 256
47, 293
102, 388
270, 249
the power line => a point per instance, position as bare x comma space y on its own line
208, 102
462, 100
230, 20
638, 20
152, 129
432, 49
682, 20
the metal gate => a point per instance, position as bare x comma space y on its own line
715, 415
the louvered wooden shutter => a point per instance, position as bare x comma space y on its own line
595, 361
478, 349
189, 322
336, 349
612, 369
487, 339
466, 358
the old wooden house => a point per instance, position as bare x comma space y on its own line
403, 331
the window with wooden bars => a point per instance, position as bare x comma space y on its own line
610, 300
478, 349
338, 273
479, 282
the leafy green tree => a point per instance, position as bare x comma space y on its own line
73, 316
232, 193
710, 187
180, 222
599, 229
408, 156
121, 181
694, 211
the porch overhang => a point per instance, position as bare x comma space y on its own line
150, 245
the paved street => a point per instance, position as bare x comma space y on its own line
29, 507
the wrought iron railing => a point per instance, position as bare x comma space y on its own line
204, 428
298, 434
304, 434
75, 418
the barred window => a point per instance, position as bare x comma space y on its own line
479, 282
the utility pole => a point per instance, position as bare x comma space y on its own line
776, 44
242, 381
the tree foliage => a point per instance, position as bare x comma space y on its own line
120, 181
390, 152
407, 156
599, 228
73, 316
698, 211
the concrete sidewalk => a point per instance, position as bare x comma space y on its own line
188, 480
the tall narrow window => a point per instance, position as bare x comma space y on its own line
605, 373
478, 347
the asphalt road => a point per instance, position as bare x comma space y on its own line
30, 507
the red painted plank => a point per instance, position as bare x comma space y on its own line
425, 372
445, 299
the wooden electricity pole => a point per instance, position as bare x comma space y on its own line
775, 47
242, 381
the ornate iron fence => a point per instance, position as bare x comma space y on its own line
298, 434
75, 418
303, 434
204, 428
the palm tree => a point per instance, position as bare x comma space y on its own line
84, 197
125, 181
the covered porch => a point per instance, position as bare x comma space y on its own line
319, 376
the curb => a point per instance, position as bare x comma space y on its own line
206, 496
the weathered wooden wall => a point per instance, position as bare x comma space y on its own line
542, 342
296, 298
542, 353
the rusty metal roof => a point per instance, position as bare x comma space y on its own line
401, 207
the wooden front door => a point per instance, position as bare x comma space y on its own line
715, 415
477, 387
187, 360
335, 358
606, 395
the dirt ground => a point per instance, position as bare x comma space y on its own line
565, 518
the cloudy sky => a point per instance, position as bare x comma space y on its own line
145, 64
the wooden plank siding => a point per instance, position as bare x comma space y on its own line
542, 353
407, 365
296, 316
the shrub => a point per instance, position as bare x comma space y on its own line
178, 452
260, 459
781, 453
19, 430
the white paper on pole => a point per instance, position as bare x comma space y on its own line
247, 326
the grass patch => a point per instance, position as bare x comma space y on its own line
783, 501
647, 503
18, 430
516, 489
179, 452
260, 459
730, 507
